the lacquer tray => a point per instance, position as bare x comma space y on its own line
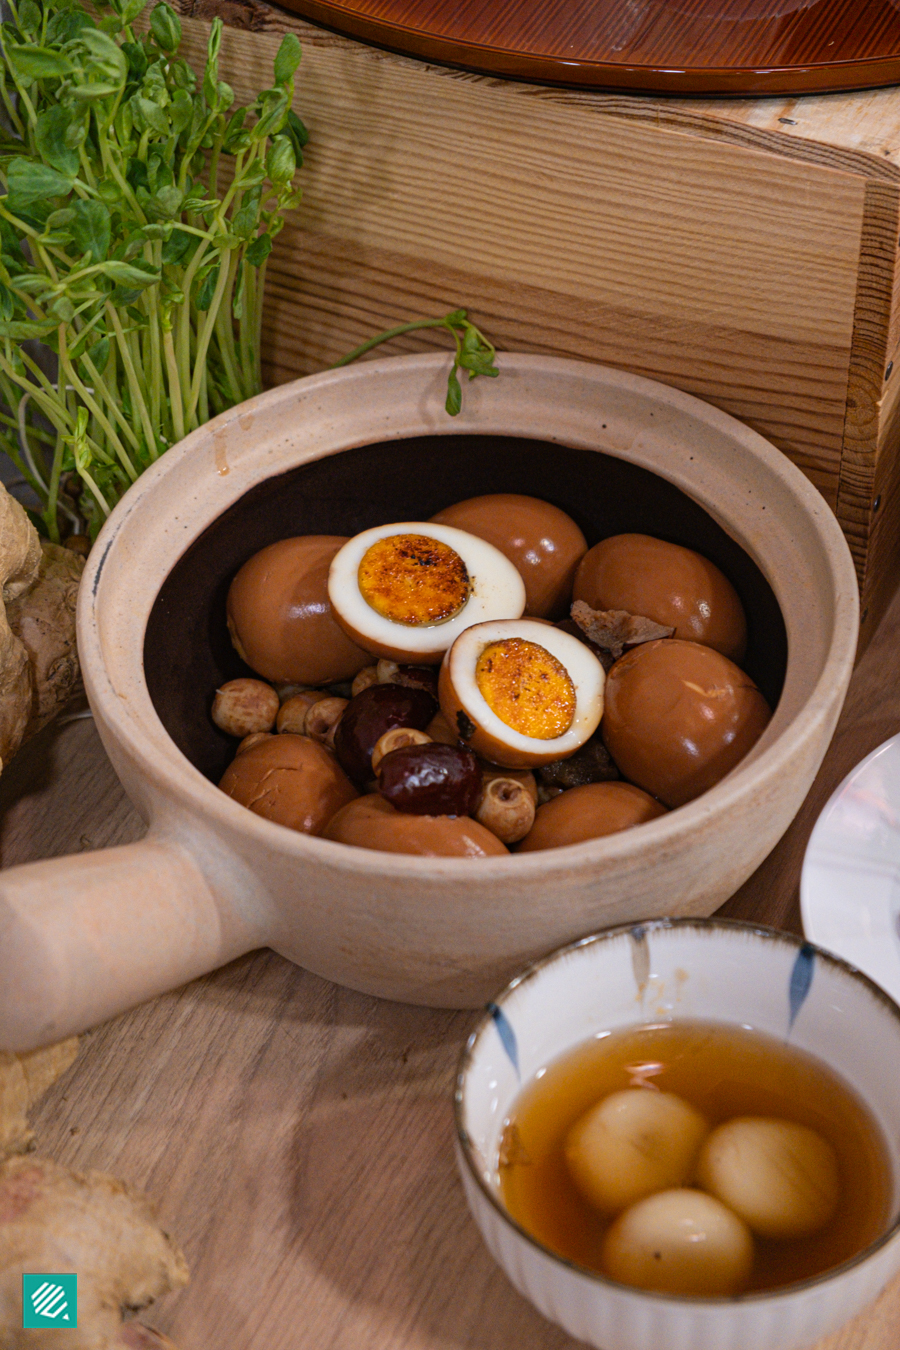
730, 47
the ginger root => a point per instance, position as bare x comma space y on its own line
38, 662
43, 619
54, 1220
23, 1079
20, 557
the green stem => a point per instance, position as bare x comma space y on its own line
93, 407
176, 400
134, 384
110, 399
50, 514
203, 341
386, 336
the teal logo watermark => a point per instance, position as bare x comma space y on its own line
49, 1300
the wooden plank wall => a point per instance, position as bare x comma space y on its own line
754, 268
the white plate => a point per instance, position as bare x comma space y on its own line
850, 883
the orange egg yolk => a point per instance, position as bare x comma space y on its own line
528, 689
413, 580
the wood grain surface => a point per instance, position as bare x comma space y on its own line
744, 251
678, 46
298, 1137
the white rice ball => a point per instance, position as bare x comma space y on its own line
780, 1177
680, 1242
631, 1144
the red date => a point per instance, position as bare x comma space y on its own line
431, 780
369, 715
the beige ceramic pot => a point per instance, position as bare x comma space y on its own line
85, 937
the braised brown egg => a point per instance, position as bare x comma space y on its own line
280, 617
679, 717
667, 583
543, 543
521, 692
371, 822
405, 591
289, 779
589, 812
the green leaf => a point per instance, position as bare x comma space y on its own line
19, 330
207, 289
182, 76
91, 229
53, 238
153, 85
254, 176
58, 219
9, 242
107, 68
156, 231
123, 296
215, 40
131, 10
7, 304
181, 111
454, 393
245, 222
29, 17
99, 354
65, 25
176, 247
287, 58
38, 63
50, 130
273, 109
129, 274
136, 55
165, 204
165, 27
297, 131
281, 163
148, 116
259, 250
211, 73
29, 183
63, 308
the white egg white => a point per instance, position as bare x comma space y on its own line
585, 671
497, 592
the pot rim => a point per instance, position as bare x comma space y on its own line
134, 725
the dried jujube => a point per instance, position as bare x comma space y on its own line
369, 715
431, 780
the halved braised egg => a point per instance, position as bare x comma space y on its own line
521, 692
406, 591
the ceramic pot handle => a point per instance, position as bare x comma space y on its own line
86, 937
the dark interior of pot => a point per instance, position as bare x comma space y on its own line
187, 650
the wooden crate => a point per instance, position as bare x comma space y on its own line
743, 251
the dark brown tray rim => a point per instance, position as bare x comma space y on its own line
733, 82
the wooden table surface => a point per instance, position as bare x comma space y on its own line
298, 1137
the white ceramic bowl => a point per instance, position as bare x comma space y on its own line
669, 969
